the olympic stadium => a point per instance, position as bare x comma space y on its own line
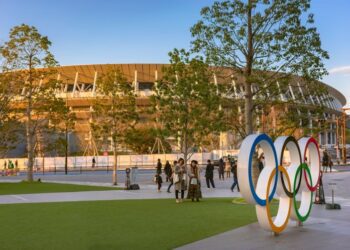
79, 89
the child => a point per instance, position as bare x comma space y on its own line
159, 181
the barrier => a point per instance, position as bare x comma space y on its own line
300, 178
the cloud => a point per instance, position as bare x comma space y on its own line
340, 70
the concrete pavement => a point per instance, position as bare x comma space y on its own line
324, 229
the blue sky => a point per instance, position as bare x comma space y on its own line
144, 31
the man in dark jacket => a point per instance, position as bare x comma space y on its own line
159, 167
209, 174
167, 171
235, 179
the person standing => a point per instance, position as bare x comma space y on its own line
167, 171
194, 191
235, 179
228, 168
209, 174
180, 180
325, 161
261, 162
171, 178
221, 169
330, 164
159, 167
93, 162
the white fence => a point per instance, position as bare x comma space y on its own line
124, 161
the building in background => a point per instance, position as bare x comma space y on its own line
79, 90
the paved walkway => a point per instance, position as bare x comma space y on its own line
146, 192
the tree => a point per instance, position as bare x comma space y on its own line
187, 102
9, 126
62, 121
264, 43
24, 53
115, 113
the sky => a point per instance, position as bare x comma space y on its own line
144, 31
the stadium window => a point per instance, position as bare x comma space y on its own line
146, 85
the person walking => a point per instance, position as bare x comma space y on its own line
180, 172
209, 174
235, 179
194, 190
159, 167
221, 169
167, 171
171, 178
159, 181
325, 161
228, 168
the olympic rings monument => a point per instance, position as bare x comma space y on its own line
295, 183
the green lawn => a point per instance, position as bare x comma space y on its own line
42, 187
127, 224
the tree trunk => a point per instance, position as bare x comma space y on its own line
115, 170
66, 152
248, 102
30, 138
248, 114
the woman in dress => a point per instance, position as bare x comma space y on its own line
194, 191
179, 180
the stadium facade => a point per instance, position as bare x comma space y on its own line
79, 89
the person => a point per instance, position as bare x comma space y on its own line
159, 181
180, 180
221, 169
228, 168
255, 168
167, 171
159, 167
5, 168
261, 162
10, 167
330, 164
235, 179
209, 174
93, 162
194, 190
325, 161
171, 178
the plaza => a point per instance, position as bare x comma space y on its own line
324, 229
190, 125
